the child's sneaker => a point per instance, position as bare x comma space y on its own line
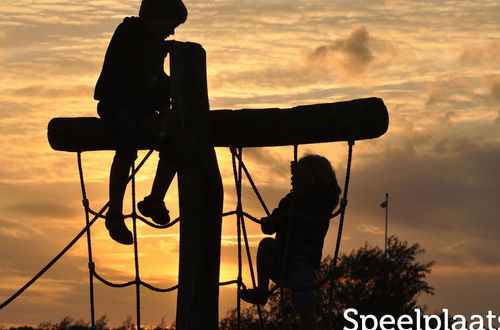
115, 223
254, 296
154, 209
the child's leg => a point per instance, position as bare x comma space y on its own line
266, 263
153, 206
165, 172
118, 178
125, 133
123, 123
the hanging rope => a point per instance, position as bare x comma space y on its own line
136, 257
91, 264
237, 181
242, 229
284, 323
239, 212
52, 262
343, 202
330, 276
249, 177
92, 271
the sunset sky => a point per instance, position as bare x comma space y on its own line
436, 65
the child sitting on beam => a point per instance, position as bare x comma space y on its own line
133, 85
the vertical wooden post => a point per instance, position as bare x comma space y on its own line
200, 191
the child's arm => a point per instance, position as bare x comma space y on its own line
161, 91
269, 225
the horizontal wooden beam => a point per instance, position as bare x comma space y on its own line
358, 119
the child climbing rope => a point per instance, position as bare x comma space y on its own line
132, 86
300, 222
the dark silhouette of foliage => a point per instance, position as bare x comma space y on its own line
365, 279
69, 323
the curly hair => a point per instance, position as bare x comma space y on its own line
323, 172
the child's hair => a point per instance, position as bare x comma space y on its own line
167, 8
324, 174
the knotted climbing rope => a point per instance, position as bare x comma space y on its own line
239, 168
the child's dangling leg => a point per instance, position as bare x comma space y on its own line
153, 205
123, 122
115, 221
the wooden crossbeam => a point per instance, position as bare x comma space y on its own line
340, 121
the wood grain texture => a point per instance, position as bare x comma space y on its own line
358, 119
200, 192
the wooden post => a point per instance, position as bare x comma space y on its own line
200, 191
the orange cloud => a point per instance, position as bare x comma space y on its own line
50, 92
487, 53
494, 88
351, 55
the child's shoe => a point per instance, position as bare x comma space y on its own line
154, 209
254, 296
115, 223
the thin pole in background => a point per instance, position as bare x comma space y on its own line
385, 205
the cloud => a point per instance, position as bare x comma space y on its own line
351, 55
42, 209
451, 92
17, 229
481, 53
267, 84
271, 161
459, 98
80, 91
394, 2
51, 68
312, 72
493, 84
13, 110
370, 229
33, 203
448, 194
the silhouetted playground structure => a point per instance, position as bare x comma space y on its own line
195, 131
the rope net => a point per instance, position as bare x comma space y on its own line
239, 168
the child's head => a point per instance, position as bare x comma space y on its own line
163, 15
314, 172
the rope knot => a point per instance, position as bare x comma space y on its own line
343, 202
